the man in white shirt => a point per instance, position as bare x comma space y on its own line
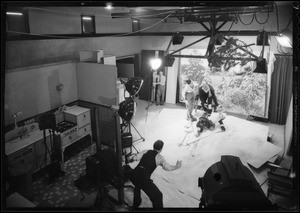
160, 96
189, 94
140, 175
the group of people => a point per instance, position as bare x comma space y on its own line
205, 93
140, 176
159, 84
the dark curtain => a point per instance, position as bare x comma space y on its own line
281, 89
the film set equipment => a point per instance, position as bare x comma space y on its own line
127, 108
106, 165
229, 185
155, 64
48, 122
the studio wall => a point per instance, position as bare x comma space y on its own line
37, 52
32, 90
97, 83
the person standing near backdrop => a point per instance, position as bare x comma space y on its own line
161, 88
206, 94
153, 86
188, 94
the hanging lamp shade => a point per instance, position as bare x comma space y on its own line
178, 38
168, 61
263, 35
261, 66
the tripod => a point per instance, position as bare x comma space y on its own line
153, 90
152, 97
128, 124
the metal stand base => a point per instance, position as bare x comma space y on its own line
141, 138
128, 125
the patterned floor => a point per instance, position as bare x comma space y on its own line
62, 190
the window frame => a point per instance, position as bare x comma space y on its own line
93, 25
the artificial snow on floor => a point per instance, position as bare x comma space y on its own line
244, 139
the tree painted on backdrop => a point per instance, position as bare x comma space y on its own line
194, 69
244, 91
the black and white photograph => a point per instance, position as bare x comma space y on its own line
149, 106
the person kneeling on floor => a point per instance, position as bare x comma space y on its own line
140, 176
208, 121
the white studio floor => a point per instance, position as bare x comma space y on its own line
242, 138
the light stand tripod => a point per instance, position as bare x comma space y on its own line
153, 88
128, 124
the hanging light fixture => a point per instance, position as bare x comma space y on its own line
284, 38
177, 39
169, 61
261, 66
263, 39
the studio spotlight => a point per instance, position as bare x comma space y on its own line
283, 39
178, 38
261, 67
263, 37
127, 109
229, 185
169, 61
133, 85
219, 38
155, 63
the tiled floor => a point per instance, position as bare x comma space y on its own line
62, 190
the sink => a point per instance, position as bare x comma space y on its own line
20, 132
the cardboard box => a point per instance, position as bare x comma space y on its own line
91, 56
109, 59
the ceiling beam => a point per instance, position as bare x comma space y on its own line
197, 11
15, 37
219, 57
189, 45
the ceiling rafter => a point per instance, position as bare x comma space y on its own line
196, 14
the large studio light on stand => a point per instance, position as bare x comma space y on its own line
155, 63
229, 185
126, 110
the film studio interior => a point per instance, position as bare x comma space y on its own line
147, 105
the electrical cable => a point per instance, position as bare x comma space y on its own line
230, 26
22, 33
182, 191
147, 27
46, 151
263, 182
264, 21
282, 52
96, 15
245, 23
277, 17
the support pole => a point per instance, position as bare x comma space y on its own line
188, 45
118, 144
